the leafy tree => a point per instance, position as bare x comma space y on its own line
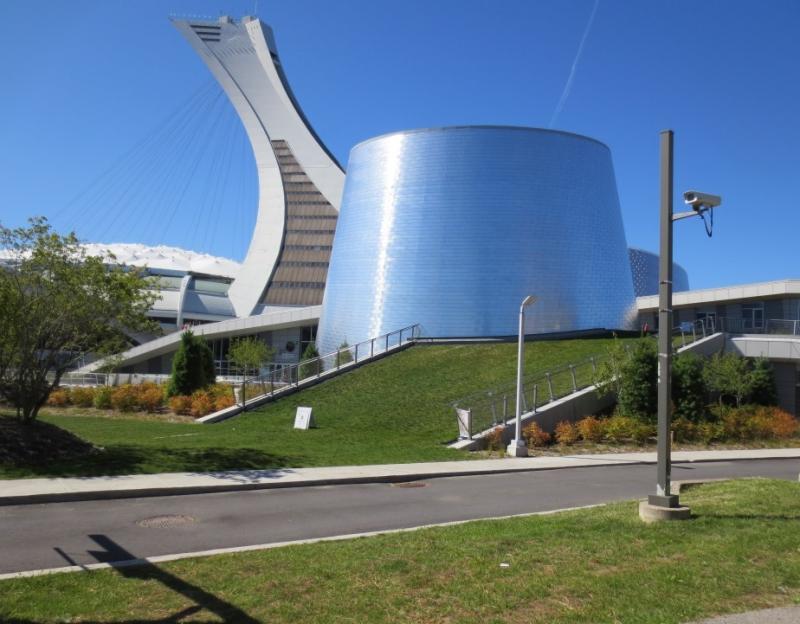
729, 376
309, 369
638, 391
56, 304
689, 390
249, 354
192, 366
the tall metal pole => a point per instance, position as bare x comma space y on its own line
663, 498
518, 448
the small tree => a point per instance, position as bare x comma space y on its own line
309, 369
57, 303
608, 378
729, 376
249, 354
689, 391
192, 366
343, 355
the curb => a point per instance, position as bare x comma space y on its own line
111, 494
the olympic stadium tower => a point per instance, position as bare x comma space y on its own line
452, 227
300, 182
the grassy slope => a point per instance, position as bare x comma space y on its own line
740, 552
392, 411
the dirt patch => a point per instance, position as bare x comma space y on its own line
37, 442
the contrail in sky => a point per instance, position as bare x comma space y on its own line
568, 86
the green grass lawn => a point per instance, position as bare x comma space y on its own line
392, 411
739, 552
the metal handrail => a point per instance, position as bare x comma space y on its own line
542, 387
294, 374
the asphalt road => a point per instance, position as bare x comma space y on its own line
78, 533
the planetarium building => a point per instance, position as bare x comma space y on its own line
452, 227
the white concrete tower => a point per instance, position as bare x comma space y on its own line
300, 182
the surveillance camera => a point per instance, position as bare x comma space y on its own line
701, 201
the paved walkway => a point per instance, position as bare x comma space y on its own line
786, 615
21, 491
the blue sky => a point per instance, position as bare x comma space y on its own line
85, 81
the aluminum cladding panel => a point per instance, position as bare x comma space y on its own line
644, 271
452, 227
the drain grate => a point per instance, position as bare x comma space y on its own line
165, 522
410, 484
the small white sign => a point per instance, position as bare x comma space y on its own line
464, 423
303, 418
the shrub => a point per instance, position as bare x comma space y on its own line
566, 433
535, 436
621, 428
202, 403
82, 397
58, 398
151, 399
782, 425
684, 430
494, 440
638, 390
689, 391
591, 428
180, 404
762, 389
192, 366
102, 397
125, 398
223, 401
708, 432
739, 424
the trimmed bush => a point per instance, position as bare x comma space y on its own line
102, 397
82, 397
494, 440
535, 436
566, 433
58, 398
591, 428
223, 401
202, 403
151, 399
181, 404
125, 398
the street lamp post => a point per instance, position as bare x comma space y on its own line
518, 448
663, 505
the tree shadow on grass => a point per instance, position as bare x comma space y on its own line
128, 459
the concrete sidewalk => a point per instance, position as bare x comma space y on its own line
26, 491
785, 615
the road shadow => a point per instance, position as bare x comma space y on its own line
128, 565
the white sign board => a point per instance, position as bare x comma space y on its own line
464, 423
303, 418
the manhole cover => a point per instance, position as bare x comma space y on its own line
410, 484
165, 522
